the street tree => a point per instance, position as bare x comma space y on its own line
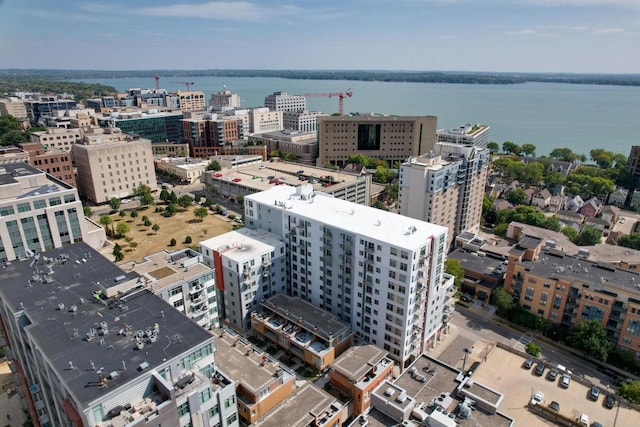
503, 301
114, 202
590, 336
630, 241
630, 390
164, 195
452, 266
117, 253
213, 166
517, 196
493, 147
185, 201
529, 149
105, 221
589, 236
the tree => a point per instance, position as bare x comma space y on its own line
590, 336
529, 149
533, 349
147, 222
155, 228
9, 123
122, 228
564, 154
213, 166
171, 209
589, 236
197, 197
291, 156
172, 242
134, 213
201, 213
511, 148
173, 197
452, 266
164, 195
14, 137
114, 202
517, 196
185, 201
86, 210
122, 213
503, 301
630, 390
630, 241
146, 199
570, 232
117, 253
144, 193
105, 221
493, 147
240, 199
188, 240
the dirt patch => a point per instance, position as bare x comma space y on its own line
144, 241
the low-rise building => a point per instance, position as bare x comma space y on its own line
13, 154
53, 161
304, 145
183, 280
186, 169
156, 126
314, 335
262, 383
358, 371
482, 273
60, 138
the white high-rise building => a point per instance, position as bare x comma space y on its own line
381, 272
282, 101
249, 266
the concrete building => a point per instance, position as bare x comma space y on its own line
45, 105
183, 280
565, 289
156, 126
39, 213
483, 272
393, 138
186, 169
249, 266
111, 164
381, 272
208, 135
13, 106
12, 154
53, 161
446, 186
168, 149
191, 100
262, 382
262, 176
358, 372
93, 354
304, 120
304, 145
282, 101
60, 138
223, 100
262, 120
315, 336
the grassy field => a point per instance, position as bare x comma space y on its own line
142, 240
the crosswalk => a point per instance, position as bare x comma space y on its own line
522, 342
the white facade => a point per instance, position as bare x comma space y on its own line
379, 271
301, 120
184, 168
264, 120
224, 99
282, 101
39, 213
249, 266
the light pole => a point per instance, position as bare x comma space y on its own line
464, 359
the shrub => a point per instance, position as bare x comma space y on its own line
172, 242
187, 239
533, 349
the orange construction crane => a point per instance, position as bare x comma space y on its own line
341, 96
187, 84
157, 82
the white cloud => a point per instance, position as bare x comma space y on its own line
579, 28
525, 32
610, 31
221, 11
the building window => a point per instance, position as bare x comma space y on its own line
634, 328
183, 409
543, 298
557, 300
529, 294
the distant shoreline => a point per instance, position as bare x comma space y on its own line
450, 77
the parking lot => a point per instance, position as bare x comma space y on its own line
503, 371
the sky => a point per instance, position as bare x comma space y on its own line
574, 36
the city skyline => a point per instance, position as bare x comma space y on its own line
576, 36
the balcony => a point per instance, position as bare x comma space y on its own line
196, 289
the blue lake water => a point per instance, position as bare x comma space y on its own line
548, 115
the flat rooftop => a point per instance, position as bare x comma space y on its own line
356, 361
480, 264
246, 364
244, 244
376, 224
26, 181
300, 409
166, 269
301, 312
57, 294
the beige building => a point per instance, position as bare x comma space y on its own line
39, 213
12, 154
13, 107
393, 138
191, 100
112, 164
60, 138
304, 145
223, 100
186, 169
263, 120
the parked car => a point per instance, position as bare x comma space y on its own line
552, 374
554, 406
565, 380
596, 424
610, 401
584, 420
527, 364
540, 369
537, 398
594, 393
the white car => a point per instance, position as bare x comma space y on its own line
537, 398
584, 420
